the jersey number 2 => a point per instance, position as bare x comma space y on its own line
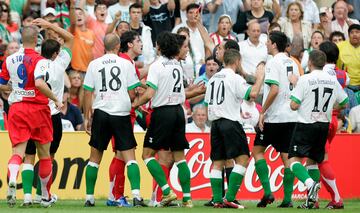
328, 91
115, 80
177, 85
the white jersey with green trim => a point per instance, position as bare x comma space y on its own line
56, 75
316, 93
277, 71
224, 94
166, 77
110, 77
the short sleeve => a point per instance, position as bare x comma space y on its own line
242, 89
4, 74
153, 77
41, 68
297, 95
64, 57
132, 79
341, 96
89, 82
272, 75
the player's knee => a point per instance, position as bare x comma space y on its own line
29, 159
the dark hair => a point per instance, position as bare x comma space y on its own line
210, 58
231, 44
136, 6
192, 6
317, 31
127, 37
30, 13
166, 41
280, 39
331, 51
100, 3
231, 56
274, 25
336, 34
180, 40
8, 21
354, 27
317, 58
49, 47
122, 22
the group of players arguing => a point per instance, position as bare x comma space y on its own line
295, 116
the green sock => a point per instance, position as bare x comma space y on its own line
236, 178
300, 172
38, 186
27, 175
288, 181
158, 174
91, 176
133, 173
216, 181
184, 177
262, 171
314, 173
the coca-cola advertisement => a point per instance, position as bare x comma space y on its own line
198, 158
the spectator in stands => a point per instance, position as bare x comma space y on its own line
354, 118
70, 112
196, 41
257, 12
84, 39
8, 28
348, 58
12, 47
90, 7
148, 54
62, 8
49, 15
337, 37
316, 39
296, 28
325, 21
123, 6
188, 64
342, 22
76, 90
223, 30
199, 116
311, 12
252, 50
159, 17
122, 27
354, 11
218, 8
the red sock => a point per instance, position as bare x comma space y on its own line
329, 180
45, 174
13, 167
119, 182
157, 187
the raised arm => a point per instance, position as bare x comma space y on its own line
111, 27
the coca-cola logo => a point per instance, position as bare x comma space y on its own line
199, 162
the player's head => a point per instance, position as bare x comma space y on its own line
331, 51
112, 43
50, 48
277, 42
131, 40
317, 60
183, 43
166, 44
29, 36
232, 58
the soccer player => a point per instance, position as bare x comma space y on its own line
58, 60
167, 125
130, 48
224, 95
313, 98
113, 81
277, 120
29, 115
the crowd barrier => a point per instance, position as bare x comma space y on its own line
72, 156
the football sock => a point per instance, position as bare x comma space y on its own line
329, 180
301, 173
314, 172
45, 175
90, 177
262, 171
38, 185
112, 176
27, 176
288, 181
157, 190
13, 167
216, 179
117, 178
133, 173
158, 174
184, 177
236, 178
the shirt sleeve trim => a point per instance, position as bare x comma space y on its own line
247, 94
3, 81
88, 88
344, 102
68, 51
151, 85
268, 81
134, 86
296, 100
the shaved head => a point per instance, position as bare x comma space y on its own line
111, 41
29, 35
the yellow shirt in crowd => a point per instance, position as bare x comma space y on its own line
349, 60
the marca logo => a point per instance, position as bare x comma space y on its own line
198, 158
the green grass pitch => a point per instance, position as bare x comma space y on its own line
73, 206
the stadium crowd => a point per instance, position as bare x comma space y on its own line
89, 30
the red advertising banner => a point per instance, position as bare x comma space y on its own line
343, 158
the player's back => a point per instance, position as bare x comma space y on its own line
166, 77
110, 77
278, 70
224, 94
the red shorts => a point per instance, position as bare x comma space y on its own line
332, 132
29, 121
